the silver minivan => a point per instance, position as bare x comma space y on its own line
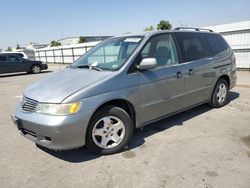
125, 83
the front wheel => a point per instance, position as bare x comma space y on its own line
220, 94
35, 69
109, 131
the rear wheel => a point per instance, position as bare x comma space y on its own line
35, 69
109, 131
220, 94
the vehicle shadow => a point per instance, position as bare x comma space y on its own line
82, 154
21, 74
175, 120
74, 155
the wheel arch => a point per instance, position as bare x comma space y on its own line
225, 77
122, 103
34, 64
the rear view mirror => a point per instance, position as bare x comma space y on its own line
147, 63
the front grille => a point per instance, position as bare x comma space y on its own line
29, 105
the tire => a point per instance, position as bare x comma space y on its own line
220, 94
35, 69
109, 131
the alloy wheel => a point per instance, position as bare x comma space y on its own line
108, 132
221, 93
36, 69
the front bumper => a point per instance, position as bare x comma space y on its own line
44, 66
53, 132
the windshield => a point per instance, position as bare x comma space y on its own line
110, 54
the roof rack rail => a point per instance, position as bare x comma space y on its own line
194, 28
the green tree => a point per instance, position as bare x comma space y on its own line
150, 28
164, 25
9, 49
82, 39
17, 46
54, 43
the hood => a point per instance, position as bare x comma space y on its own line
35, 61
60, 85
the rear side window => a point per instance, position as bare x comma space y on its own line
217, 45
192, 46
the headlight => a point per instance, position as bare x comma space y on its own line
58, 109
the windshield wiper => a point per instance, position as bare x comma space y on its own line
89, 67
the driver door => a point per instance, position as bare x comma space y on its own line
161, 90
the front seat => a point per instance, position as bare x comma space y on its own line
162, 55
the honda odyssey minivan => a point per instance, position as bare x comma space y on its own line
125, 83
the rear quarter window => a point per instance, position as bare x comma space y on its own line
217, 45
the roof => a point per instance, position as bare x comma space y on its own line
151, 33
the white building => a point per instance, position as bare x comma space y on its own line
33, 46
68, 41
238, 36
74, 40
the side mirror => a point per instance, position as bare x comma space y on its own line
147, 63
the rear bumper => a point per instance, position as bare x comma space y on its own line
233, 80
53, 132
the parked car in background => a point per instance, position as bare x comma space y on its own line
10, 63
19, 54
24, 53
125, 83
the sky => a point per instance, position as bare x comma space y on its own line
25, 21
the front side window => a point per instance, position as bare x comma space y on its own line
19, 54
192, 46
110, 54
161, 47
14, 58
217, 45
